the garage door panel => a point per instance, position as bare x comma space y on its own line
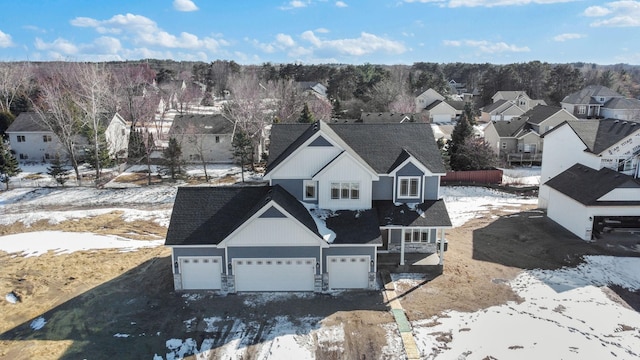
201, 273
348, 272
277, 274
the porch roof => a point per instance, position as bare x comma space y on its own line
432, 213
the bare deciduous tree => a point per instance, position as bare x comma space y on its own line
58, 110
14, 81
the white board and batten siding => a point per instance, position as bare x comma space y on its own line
348, 170
348, 272
201, 272
307, 162
273, 232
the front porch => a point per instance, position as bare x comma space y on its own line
424, 263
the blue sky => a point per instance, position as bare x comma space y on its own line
323, 31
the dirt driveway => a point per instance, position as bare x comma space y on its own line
94, 301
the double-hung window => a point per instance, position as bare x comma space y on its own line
408, 187
345, 190
21, 138
46, 138
416, 235
310, 190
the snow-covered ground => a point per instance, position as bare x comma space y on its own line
565, 313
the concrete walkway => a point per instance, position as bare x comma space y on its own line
404, 326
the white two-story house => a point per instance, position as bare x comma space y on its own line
589, 176
337, 196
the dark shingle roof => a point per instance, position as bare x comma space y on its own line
207, 215
383, 117
429, 213
510, 128
207, 124
28, 121
586, 185
599, 135
355, 227
585, 95
456, 104
379, 145
540, 113
623, 104
494, 106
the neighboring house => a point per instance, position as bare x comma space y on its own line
338, 195
507, 105
601, 153
519, 139
116, 132
204, 137
427, 97
595, 203
31, 139
591, 102
457, 88
437, 108
313, 88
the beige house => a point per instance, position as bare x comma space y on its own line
520, 139
508, 104
204, 137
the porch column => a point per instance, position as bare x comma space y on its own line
441, 247
402, 247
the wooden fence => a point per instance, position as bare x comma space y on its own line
473, 177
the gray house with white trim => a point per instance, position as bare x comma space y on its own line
338, 195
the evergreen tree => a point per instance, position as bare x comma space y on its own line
242, 149
6, 118
8, 164
137, 148
97, 157
475, 154
306, 117
337, 109
461, 132
172, 155
58, 171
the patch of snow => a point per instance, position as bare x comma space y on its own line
119, 335
38, 243
320, 217
465, 202
38, 323
564, 315
11, 298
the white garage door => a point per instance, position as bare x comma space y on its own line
441, 118
279, 274
348, 272
201, 272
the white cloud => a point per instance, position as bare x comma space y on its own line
486, 46
106, 44
322, 30
365, 44
341, 4
146, 32
596, 11
5, 40
295, 4
487, 3
59, 46
625, 13
184, 5
568, 36
285, 40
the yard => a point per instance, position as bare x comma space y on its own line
102, 295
